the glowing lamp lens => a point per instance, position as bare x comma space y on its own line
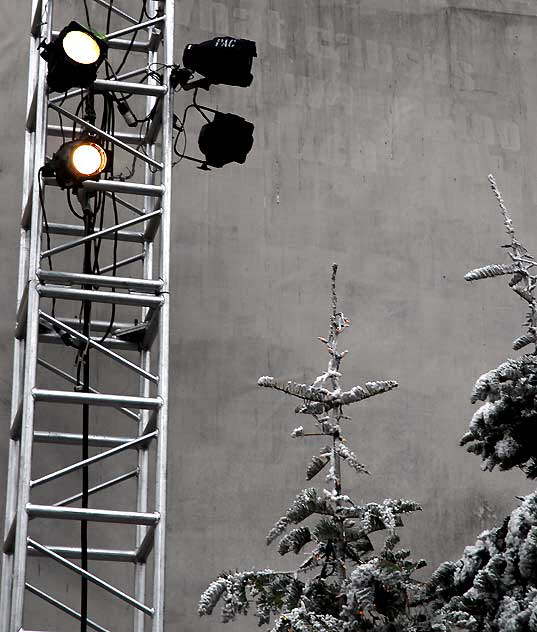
81, 47
88, 159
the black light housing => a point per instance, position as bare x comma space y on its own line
78, 160
227, 138
226, 60
73, 58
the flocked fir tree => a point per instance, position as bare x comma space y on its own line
340, 583
493, 587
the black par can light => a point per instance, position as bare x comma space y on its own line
73, 58
225, 60
227, 138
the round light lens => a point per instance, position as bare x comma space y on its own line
88, 159
81, 47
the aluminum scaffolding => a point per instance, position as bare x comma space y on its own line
138, 345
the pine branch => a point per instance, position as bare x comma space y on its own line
492, 271
324, 396
358, 393
316, 464
294, 541
302, 391
305, 504
350, 458
524, 340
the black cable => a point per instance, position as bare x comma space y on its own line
86, 330
44, 211
70, 204
109, 16
131, 44
87, 14
46, 227
182, 154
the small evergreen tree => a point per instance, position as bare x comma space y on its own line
342, 586
493, 587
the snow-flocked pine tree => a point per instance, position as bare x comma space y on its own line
342, 585
493, 587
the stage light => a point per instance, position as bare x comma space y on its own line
73, 58
88, 159
81, 47
226, 60
227, 138
76, 161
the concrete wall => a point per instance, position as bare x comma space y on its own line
377, 122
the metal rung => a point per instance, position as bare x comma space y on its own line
125, 44
78, 231
77, 92
135, 27
115, 186
127, 87
98, 488
72, 380
91, 515
127, 204
69, 438
90, 577
124, 262
109, 343
93, 399
116, 228
63, 607
103, 555
105, 135
54, 322
74, 278
95, 325
57, 131
111, 7
95, 296
74, 467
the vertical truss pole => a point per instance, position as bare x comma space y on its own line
140, 570
18, 351
164, 325
32, 325
155, 41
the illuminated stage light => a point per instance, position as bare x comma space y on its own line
73, 58
76, 161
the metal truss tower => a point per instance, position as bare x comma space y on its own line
133, 354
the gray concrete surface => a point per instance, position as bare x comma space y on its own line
377, 122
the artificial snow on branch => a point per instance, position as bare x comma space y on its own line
340, 585
493, 587
522, 281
